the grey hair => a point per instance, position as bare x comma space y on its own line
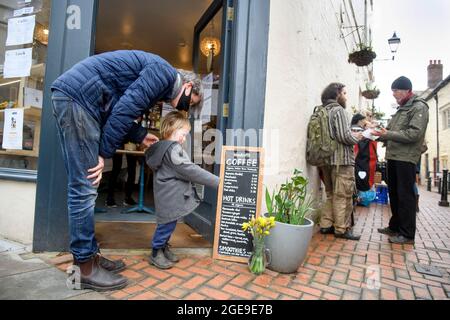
189, 76
197, 86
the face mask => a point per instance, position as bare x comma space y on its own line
184, 102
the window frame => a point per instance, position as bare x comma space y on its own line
20, 174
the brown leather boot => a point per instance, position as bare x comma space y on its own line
115, 266
93, 276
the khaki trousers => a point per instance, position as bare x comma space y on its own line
339, 187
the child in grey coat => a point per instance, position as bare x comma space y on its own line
173, 175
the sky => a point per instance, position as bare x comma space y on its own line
424, 29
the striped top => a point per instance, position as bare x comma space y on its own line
340, 131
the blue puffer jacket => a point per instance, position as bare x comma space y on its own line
116, 88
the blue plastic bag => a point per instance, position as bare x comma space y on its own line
366, 197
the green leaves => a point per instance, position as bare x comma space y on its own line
269, 202
291, 203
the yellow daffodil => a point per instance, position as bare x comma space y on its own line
259, 227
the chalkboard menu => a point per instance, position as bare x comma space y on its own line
239, 198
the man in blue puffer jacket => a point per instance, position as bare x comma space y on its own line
95, 104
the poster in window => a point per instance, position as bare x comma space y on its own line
17, 63
20, 30
33, 97
13, 129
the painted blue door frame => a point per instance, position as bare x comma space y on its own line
72, 36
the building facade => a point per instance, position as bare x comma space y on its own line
275, 59
438, 132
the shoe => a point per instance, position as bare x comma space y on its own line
169, 254
160, 261
111, 203
347, 235
92, 276
387, 231
112, 266
401, 240
129, 202
329, 230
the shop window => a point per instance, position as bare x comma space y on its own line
446, 119
24, 31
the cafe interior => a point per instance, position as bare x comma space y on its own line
165, 28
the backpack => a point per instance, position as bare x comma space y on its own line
320, 146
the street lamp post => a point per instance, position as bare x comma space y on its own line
394, 42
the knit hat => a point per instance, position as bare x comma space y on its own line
356, 118
402, 83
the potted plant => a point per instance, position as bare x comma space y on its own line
290, 205
362, 56
371, 92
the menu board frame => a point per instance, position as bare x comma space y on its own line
259, 193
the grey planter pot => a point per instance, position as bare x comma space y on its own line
288, 245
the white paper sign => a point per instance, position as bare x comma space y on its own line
207, 83
17, 63
13, 129
33, 97
21, 12
20, 30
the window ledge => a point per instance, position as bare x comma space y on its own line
18, 175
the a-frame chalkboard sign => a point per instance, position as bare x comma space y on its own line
239, 197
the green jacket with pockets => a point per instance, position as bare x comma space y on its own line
406, 131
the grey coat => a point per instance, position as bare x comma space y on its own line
173, 175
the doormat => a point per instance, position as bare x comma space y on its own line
128, 235
428, 270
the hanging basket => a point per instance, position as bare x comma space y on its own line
362, 57
371, 94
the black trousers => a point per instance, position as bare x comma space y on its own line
117, 167
401, 178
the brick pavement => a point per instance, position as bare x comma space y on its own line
335, 268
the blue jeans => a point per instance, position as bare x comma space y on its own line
79, 135
162, 234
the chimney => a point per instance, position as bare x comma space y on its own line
435, 73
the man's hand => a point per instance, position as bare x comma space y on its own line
96, 173
379, 132
149, 140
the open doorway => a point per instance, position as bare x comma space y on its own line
165, 28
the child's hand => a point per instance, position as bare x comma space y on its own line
149, 140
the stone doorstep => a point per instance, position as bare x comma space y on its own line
140, 252
7, 246
57, 258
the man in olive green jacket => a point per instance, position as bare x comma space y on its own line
404, 138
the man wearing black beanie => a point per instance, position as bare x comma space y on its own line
404, 138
